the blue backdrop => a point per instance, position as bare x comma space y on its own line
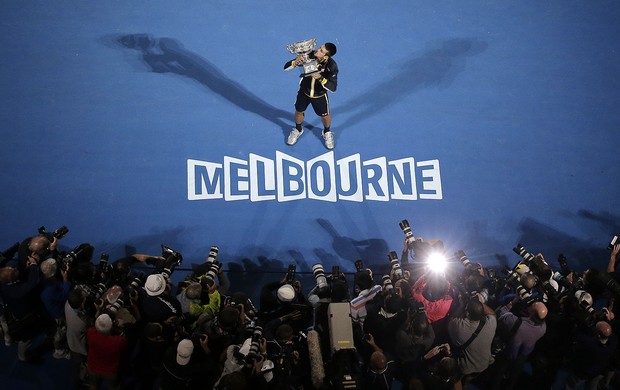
103, 104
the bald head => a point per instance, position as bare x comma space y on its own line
8, 275
38, 243
538, 311
603, 329
378, 361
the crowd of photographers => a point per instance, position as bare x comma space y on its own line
406, 325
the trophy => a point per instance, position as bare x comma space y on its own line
304, 48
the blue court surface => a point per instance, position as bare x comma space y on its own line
483, 123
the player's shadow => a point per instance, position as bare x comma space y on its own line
435, 68
167, 55
368, 250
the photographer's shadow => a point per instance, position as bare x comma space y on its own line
167, 55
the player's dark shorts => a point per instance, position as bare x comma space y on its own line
319, 104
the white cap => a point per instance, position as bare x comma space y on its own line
286, 293
184, 351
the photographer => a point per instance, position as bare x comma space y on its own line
380, 372
365, 292
288, 352
283, 297
413, 340
24, 312
78, 321
39, 247
54, 294
471, 334
105, 349
181, 367
524, 332
384, 321
156, 302
593, 355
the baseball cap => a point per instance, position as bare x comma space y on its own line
184, 351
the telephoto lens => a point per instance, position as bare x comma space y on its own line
462, 258
520, 250
406, 228
397, 271
172, 259
213, 252
387, 283
254, 352
319, 275
214, 269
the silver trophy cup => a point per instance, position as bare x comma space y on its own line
304, 48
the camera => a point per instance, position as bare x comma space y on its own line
395, 265
404, 225
137, 282
290, 274
254, 352
57, 234
463, 259
213, 252
521, 251
564, 268
319, 275
212, 272
82, 252
387, 284
612, 243
359, 265
172, 259
335, 273
9, 253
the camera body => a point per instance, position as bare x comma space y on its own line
290, 273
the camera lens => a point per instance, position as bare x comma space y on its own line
319, 275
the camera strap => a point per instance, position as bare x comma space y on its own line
464, 346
